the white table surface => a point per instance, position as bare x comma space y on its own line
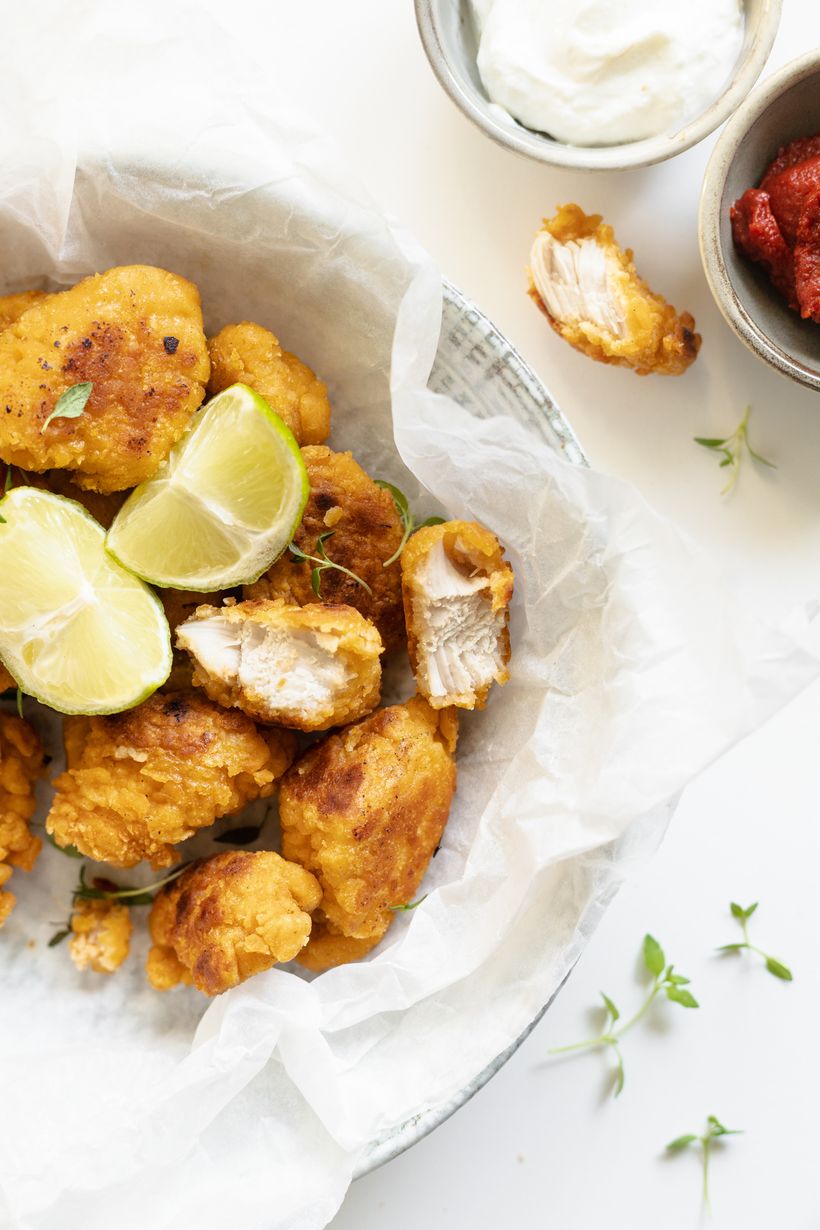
542, 1145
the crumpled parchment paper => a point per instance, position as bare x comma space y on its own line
632, 670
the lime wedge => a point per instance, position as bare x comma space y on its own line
77, 631
223, 506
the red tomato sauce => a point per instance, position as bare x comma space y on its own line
777, 225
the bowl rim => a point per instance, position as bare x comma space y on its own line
709, 218
605, 157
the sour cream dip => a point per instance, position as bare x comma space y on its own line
604, 72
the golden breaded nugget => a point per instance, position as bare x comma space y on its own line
366, 531
101, 935
21, 763
134, 333
364, 810
457, 588
228, 918
590, 292
140, 782
13, 306
248, 354
305, 667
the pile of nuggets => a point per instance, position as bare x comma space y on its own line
274, 689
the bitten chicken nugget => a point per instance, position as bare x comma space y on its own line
361, 529
140, 782
364, 810
179, 605
135, 334
248, 354
590, 292
21, 763
457, 588
228, 918
306, 667
13, 306
101, 935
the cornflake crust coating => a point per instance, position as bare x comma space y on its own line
21, 763
457, 589
590, 292
228, 918
364, 810
101, 935
248, 354
13, 306
305, 667
366, 530
136, 334
140, 782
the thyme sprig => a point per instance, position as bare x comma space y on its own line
71, 403
322, 562
731, 449
715, 1130
406, 517
664, 981
106, 890
410, 905
775, 967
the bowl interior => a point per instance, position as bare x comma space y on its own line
795, 113
457, 46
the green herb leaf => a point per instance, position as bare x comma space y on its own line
126, 892
430, 521
778, 969
619, 1073
653, 957
316, 581
8, 482
732, 448
411, 905
69, 851
58, 937
407, 519
680, 1142
610, 1007
737, 910
20, 702
731, 947
242, 836
679, 995
678, 980
399, 498
71, 403
706, 442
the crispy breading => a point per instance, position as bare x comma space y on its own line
230, 917
305, 667
13, 306
248, 354
21, 763
364, 810
101, 935
140, 782
135, 333
589, 290
179, 605
366, 531
457, 588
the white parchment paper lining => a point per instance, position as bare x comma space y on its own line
632, 671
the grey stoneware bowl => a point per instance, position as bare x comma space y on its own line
447, 32
786, 106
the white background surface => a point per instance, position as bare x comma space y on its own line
543, 1145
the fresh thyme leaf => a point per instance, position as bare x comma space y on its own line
411, 905
778, 969
58, 937
742, 914
653, 957
71, 403
677, 980
732, 947
399, 498
610, 1007
322, 561
71, 851
709, 443
9, 480
123, 892
680, 1142
20, 702
618, 1084
242, 836
732, 448
714, 1130
679, 995
430, 521
408, 521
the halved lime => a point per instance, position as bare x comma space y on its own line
77, 631
223, 506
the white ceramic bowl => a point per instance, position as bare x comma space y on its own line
447, 32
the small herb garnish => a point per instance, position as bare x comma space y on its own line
242, 836
59, 936
772, 964
732, 450
71, 403
71, 851
20, 702
714, 1131
664, 979
322, 562
99, 891
8, 481
408, 521
410, 905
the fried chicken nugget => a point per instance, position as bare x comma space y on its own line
305, 667
366, 531
179, 605
21, 763
590, 292
364, 810
13, 306
101, 935
248, 354
228, 918
135, 333
140, 782
6, 680
457, 588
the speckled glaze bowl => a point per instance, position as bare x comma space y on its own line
478, 368
783, 108
449, 39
